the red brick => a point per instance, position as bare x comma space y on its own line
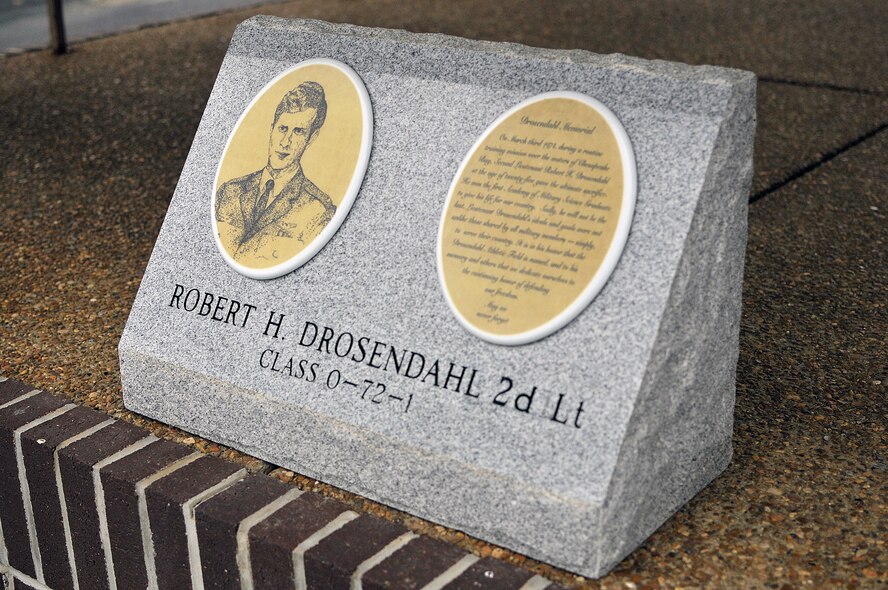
119, 481
218, 520
20, 585
273, 540
40, 467
12, 509
165, 499
413, 566
11, 389
490, 574
76, 462
330, 564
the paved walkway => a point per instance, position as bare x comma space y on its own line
92, 145
23, 23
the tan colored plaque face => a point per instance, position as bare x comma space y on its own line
292, 168
536, 218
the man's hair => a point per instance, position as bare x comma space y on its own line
308, 95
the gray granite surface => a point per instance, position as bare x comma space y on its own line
652, 357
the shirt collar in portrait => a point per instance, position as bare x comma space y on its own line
282, 180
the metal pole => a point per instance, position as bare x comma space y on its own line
57, 27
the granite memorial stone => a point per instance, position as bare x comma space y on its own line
515, 314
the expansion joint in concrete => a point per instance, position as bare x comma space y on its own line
822, 86
827, 157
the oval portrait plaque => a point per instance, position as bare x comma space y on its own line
291, 168
536, 217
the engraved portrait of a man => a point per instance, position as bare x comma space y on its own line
261, 214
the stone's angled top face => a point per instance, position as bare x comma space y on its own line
352, 368
406, 43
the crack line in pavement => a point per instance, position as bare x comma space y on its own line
817, 163
821, 85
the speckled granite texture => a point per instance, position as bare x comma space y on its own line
652, 358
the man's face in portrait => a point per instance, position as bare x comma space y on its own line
289, 138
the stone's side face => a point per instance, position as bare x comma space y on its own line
680, 432
353, 370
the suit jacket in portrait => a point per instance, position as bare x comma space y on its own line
289, 222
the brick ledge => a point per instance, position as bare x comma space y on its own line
88, 502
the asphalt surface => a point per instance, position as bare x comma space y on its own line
92, 143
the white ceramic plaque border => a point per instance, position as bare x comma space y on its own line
615, 250
348, 199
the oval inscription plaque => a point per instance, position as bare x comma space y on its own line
536, 217
291, 168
